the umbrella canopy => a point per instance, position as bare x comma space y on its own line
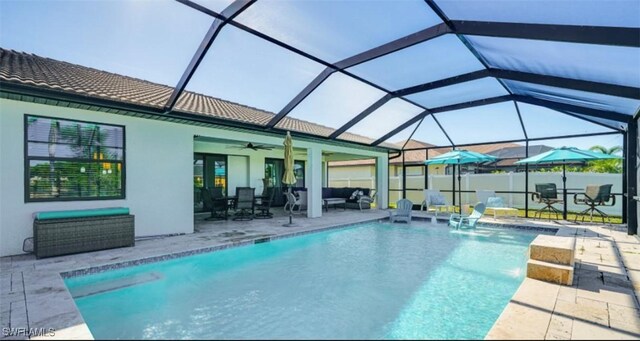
460, 157
564, 154
289, 177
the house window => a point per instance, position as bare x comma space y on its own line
73, 160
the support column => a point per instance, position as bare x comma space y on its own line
314, 182
625, 141
631, 155
382, 181
526, 181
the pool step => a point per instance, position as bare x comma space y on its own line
550, 272
551, 259
553, 249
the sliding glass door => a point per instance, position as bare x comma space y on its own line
274, 170
209, 170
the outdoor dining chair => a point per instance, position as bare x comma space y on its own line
594, 196
245, 203
265, 205
214, 202
547, 194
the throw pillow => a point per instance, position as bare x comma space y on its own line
354, 195
495, 202
437, 199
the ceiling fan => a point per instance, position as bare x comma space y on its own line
252, 146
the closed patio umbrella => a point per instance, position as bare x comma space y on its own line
460, 157
289, 177
564, 155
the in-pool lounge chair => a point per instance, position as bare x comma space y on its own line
495, 204
434, 201
458, 221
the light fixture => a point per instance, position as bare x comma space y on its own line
82, 170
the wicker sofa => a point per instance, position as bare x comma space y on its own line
346, 193
58, 233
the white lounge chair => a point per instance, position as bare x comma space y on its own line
403, 211
456, 220
495, 203
434, 201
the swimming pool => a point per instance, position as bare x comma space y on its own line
370, 281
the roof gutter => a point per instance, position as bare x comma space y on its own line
399, 153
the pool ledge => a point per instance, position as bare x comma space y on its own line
602, 303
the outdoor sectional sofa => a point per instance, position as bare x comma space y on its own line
346, 193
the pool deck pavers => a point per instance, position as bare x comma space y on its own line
602, 303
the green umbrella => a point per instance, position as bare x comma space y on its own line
564, 155
460, 157
289, 177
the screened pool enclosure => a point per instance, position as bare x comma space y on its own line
379, 73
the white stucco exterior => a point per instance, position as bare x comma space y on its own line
159, 170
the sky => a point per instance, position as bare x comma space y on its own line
155, 40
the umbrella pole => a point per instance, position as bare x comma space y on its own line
290, 209
564, 190
459, 190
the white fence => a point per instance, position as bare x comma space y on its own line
576, 183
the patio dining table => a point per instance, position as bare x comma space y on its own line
232, 199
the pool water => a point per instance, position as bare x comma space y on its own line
371, 281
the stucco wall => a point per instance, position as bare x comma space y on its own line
159, 170
159, 174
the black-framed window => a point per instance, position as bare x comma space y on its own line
69, 160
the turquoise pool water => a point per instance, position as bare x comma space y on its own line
372, 281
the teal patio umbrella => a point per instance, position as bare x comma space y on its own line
564, 155
460, 157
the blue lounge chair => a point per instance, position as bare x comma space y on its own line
470, 221
403, 211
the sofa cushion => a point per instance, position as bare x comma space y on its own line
327, 192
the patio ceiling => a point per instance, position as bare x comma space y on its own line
449, 72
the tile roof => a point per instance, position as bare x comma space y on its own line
29, 69
418, 156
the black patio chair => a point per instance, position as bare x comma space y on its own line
594, 196
245, 203
546, 194
265, 205
214, 201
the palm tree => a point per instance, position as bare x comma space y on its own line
605, 150
606, 166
